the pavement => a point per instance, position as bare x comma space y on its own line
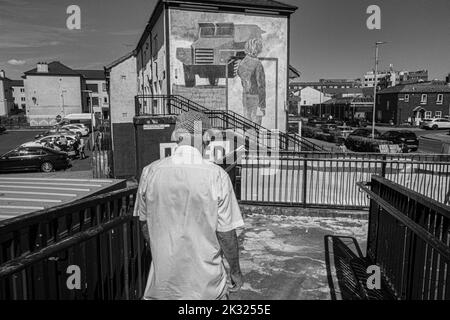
283, 257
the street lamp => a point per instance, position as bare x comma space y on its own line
91, 108
375, 87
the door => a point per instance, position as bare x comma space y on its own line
30, 158
10, 161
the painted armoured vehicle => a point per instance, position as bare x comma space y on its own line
211, 54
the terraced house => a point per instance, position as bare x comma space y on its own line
413, 102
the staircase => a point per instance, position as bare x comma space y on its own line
164, 105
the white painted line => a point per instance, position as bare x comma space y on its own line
30, 200
22, 207
45, 188
40, 193
59, 179
6, 217
55, 184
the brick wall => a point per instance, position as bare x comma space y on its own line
213, 98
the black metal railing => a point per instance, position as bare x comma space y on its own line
163, 105
285, 178
408, 238
99, 237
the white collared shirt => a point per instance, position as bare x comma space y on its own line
185, 200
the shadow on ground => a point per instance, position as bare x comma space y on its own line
283, 257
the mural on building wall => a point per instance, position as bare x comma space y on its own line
233, 61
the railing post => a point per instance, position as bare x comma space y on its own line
383, 166
305, 175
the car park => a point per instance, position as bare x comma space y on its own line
436, 123
407, 140
33, 158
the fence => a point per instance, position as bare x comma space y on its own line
98, 235
408, 238
317, 180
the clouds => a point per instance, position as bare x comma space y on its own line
15, 62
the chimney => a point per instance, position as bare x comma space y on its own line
42, 67
2, 73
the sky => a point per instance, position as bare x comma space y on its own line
329, 38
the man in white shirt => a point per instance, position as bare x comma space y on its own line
189, 215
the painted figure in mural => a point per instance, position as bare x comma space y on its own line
251, 72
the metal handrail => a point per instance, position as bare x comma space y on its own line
405, 220
231, 115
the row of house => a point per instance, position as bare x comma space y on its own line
54, 89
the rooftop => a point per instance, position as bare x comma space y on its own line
17, 83
56, 68
420, 87
257, 4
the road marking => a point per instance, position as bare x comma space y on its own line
55, 184
44, 188
40, 193
6, 217
60, 179
22, 207
30, 200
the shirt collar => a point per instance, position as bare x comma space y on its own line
188, 153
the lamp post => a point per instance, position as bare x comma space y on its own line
375, 87
91, 108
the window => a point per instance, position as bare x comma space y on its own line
22, 90
406, 97
105, 100
440, 98
95, 101
29, 152
387, 105
22, 99
104, 87
423, 99
428, 114
438, 114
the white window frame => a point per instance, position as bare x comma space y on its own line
441, 100
438, 114
422, 100
428, 114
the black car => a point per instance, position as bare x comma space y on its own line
33, 158
366, 133
406, 139
2, 129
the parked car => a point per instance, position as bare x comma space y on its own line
407, 140
363, 132
358, 123
2, 129
33, 158
52, 142
54, 131
316, 122
77, 129
341, 133
328, 127
436, 123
